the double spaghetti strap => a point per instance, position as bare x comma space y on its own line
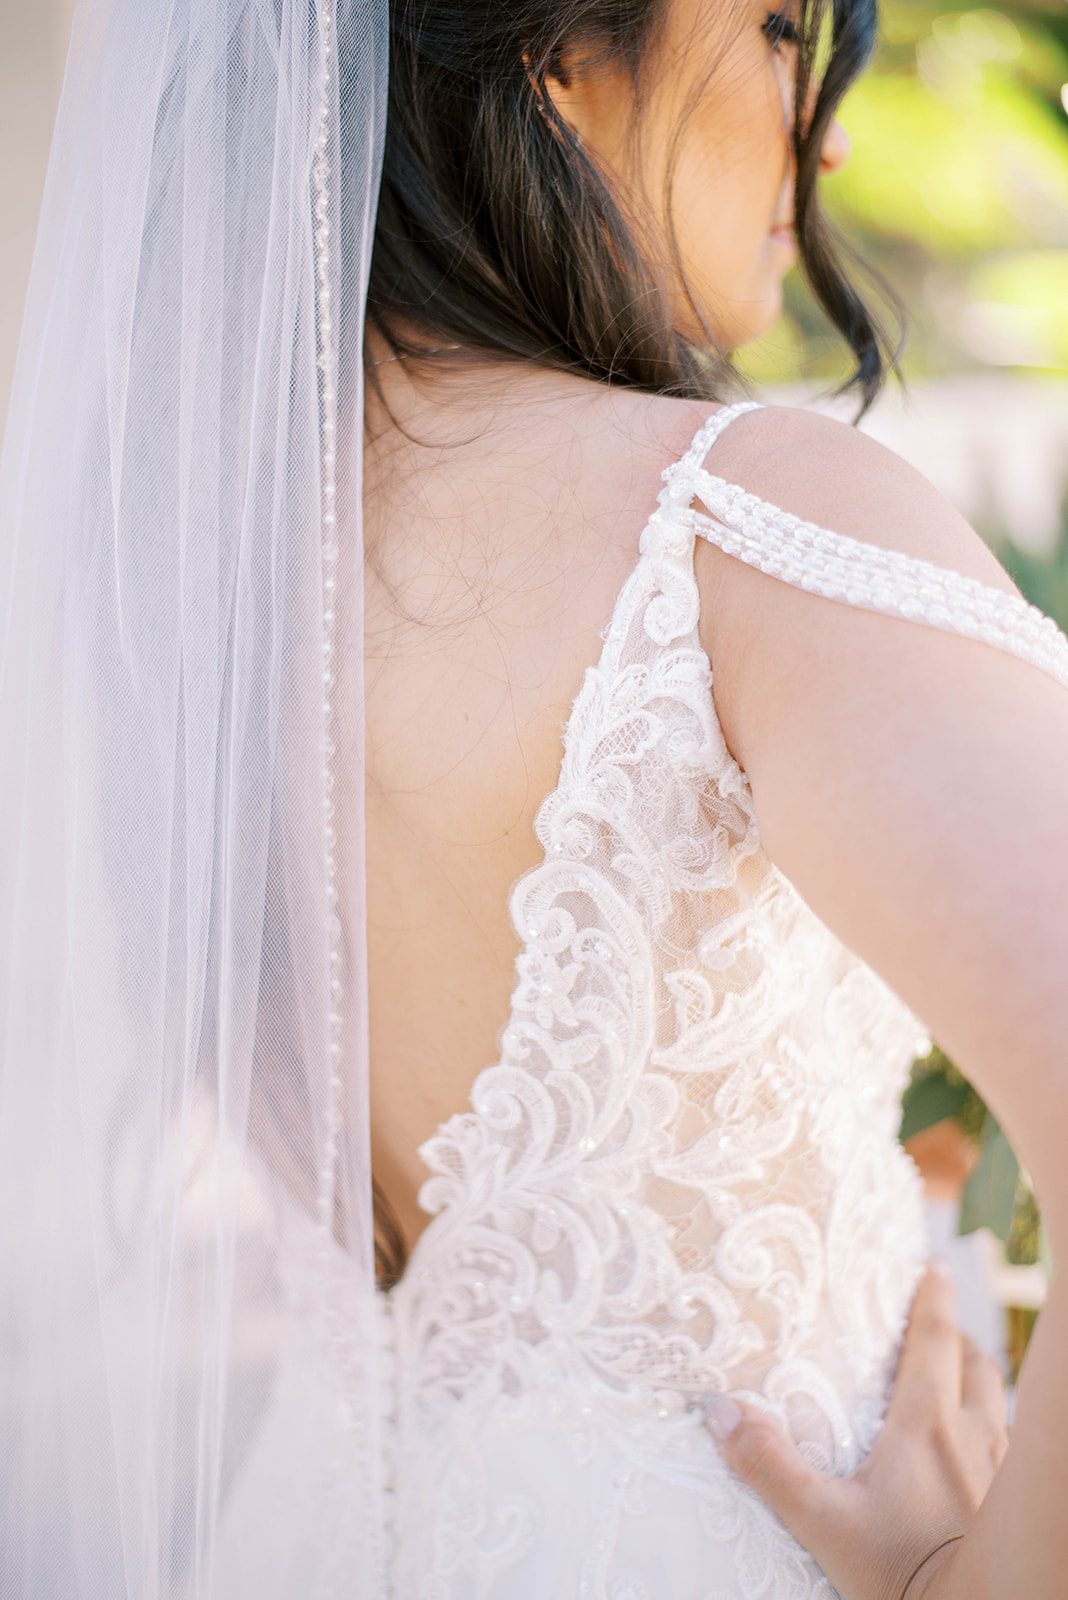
844, 568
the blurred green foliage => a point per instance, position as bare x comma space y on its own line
955, 190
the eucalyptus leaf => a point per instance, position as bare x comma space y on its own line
928, 1101
989, 1197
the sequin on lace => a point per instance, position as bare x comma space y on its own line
682, 1174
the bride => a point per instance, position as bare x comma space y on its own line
589, 902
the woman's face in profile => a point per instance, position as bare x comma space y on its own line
722, 82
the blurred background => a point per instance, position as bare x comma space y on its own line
956, 192
33, 47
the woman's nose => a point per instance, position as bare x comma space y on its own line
835, 147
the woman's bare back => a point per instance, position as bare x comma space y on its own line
493, 565
489, 579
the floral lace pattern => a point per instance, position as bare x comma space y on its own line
682, 1174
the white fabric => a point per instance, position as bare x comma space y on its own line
682, 1175
182, 950
843, 568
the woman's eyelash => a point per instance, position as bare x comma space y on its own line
780, 28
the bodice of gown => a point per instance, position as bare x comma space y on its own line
682, 1173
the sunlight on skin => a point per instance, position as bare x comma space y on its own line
725, 79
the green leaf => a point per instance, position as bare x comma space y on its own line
989, 1197
930, 1100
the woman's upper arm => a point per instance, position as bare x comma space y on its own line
911, 781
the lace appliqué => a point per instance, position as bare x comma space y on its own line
682, 1174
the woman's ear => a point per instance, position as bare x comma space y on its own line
560, 91
584, 100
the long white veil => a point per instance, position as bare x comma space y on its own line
191, 1389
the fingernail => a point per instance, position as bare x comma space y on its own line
722, 1415
940, 1265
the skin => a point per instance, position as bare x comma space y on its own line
732, 97
881, 1534
507, 532
716, 77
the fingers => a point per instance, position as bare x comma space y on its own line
762, 1453
982, 1382
930, 1369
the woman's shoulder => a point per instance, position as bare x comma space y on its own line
811, 466
572, 450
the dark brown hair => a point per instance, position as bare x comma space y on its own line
391, 1254
496, 230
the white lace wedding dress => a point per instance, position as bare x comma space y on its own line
682, 1176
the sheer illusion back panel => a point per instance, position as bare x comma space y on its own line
681, 1175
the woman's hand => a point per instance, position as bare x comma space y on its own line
879, 1535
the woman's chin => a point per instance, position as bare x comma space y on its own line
750, 313
757, 318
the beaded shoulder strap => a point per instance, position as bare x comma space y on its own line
679, 477
840, 567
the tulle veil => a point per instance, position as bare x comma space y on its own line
192, 1376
